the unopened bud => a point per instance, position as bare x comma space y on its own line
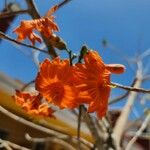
83, 51
115, 68
57, 42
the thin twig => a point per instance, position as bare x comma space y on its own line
120, 54
134, 89
26, 85
41, 128
5, 4
12, 145
139, 132
56, 140
79, 126
35, 15
117, 99
147, 77
61, 4
6, 37
99, 124
9, 14
144, 54
88, 119
89, 122
5, 145
33, 9
123, 118
31, 124
109, 140
145, 136
35, 57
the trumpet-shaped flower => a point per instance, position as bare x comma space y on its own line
93, 82
54, 82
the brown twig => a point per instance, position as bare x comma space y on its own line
134, 89
89, 122
87, 118
31, 124
26, 85
61, 4
12, 145
109, 138
56, 140
8, 14
42, 128
79, 126
6, 37
35, 15
117, 99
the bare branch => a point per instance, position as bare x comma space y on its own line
8, 14
117, 99
139, 132
42, 128
5, 145
145, 136
26, 85
31, 124
9, 145
35, 57
121, 122
134, 89
6, 37
144, 54
147, 77
63, 3
89, 121
35, 15
56, 140
79, 126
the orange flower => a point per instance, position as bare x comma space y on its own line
25, 30
32, 104
43, 110
44, 25
54, 82
93, 82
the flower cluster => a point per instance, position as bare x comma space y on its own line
44, 25
32, 103
68, 86
59, 83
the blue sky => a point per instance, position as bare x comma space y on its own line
124, 23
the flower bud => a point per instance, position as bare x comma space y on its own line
115, 68
57, 42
